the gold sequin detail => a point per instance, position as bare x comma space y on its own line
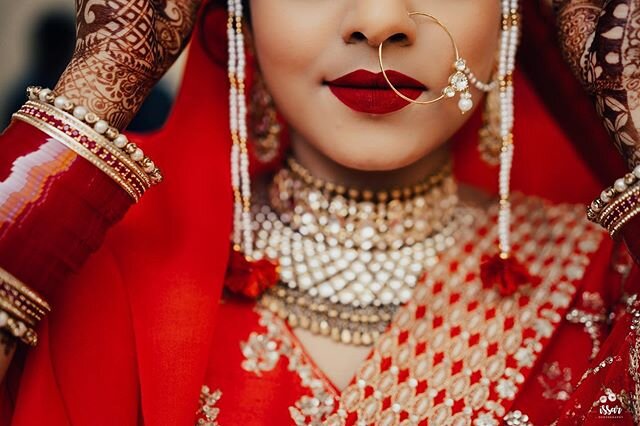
208, 410
459, 353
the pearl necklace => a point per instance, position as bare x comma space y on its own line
346, 264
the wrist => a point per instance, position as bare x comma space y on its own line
104, 87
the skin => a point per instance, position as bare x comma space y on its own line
339, 144
8, 346
329, 138
607, 62
600, 42
112, 73
123, 47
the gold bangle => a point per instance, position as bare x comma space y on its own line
14, 312
82, 151
91, 124
74, 132
609, 214
85, 130
624, 220
18, 329
20, 308
16, 284
596, 210
21, 303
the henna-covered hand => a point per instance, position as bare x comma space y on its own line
601, 41
123, 48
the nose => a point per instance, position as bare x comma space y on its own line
377, 21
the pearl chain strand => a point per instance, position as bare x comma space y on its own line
240, 180
242, 230
506, 66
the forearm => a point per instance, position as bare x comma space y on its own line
118, 59
598, 40
67, 175
66, 178
8, 345
56, 207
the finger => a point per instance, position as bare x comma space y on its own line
577, 23
173, 25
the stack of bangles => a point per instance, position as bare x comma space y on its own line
618, 204
92, 138
95, 140
20, 309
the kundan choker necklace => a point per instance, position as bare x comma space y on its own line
349, 258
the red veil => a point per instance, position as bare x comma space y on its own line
130, 335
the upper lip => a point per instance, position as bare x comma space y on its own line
371, 80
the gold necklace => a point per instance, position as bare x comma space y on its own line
348, 259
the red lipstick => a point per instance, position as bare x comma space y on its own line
368, 92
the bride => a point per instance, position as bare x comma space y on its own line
324, 246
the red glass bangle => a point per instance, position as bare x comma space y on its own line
631, 236
55, 207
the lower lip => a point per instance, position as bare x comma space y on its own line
374, 100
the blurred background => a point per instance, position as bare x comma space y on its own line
36, 41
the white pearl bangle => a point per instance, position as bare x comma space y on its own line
100, 126
610, 194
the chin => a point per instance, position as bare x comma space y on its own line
382, 156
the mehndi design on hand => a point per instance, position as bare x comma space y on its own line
601, 41
122, 50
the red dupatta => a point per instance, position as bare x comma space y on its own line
130, 336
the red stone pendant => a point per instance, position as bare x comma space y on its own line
250, 278
507, 275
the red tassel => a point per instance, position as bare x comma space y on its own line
505, 274
250, 278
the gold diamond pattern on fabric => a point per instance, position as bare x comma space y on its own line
458, 353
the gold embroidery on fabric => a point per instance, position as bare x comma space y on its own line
595, 370
263, 351
457, 353
556, 382
208, 411
516, 418
592, 316
633, 404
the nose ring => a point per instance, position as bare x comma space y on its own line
459, 80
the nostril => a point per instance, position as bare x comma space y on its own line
398, 38
358, 36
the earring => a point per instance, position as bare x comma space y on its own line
263, 121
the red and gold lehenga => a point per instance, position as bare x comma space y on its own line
142, 334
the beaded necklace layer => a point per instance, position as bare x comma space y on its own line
349, 258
